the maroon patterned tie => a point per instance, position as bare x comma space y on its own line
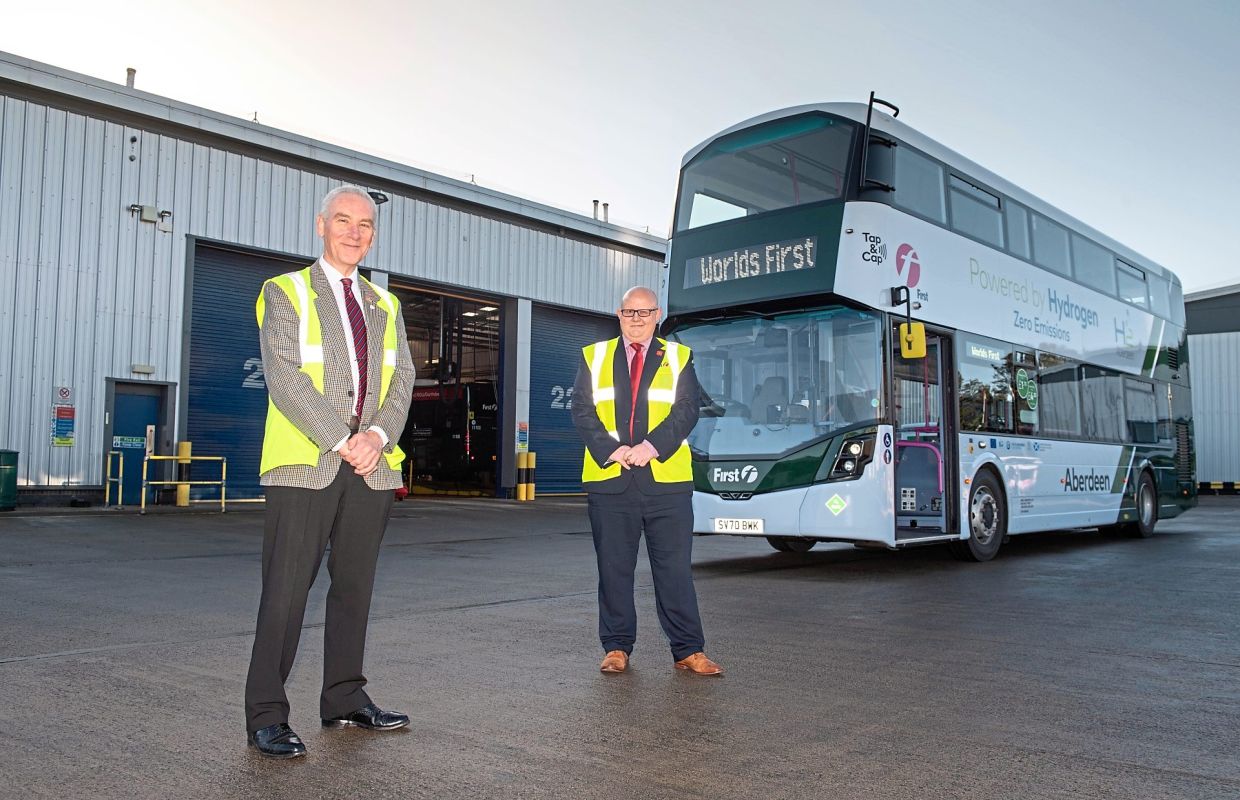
358, 323
635, 379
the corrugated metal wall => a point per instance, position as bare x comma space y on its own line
1216, 406
87, 290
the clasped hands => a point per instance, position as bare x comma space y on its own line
363, 451
638, 455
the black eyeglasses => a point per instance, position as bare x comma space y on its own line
629, 313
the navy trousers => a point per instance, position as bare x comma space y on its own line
617, 521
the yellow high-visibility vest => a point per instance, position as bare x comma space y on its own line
600, 356
283, 442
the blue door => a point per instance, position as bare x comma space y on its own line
558, 336
227, 389
132, 413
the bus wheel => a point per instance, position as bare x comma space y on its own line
1147, 509
791, 544
987, 520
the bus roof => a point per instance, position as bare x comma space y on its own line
884, 122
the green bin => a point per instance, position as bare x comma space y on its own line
8, 480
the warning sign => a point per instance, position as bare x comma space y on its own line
63, 423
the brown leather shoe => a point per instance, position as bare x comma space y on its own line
614, 661
699, 664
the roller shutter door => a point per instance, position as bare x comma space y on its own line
227, 394
557, 337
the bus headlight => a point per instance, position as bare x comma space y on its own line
855, 452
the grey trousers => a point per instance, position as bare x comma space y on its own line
300, 523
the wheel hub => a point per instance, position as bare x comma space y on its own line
1146, 504
983, 516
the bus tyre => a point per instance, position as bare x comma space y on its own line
791, 544
987, 516
1147, 510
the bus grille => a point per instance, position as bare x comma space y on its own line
1173, 358
1183, 454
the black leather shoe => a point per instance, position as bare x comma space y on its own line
276, 741
370, 717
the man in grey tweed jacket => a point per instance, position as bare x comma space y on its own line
340, 378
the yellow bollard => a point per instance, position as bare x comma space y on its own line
529, 477
184, 451
522, 467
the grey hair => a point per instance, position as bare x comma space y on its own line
349, 188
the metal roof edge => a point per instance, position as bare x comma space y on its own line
134, 101
1212, 292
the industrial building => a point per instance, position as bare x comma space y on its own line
135, 235
1214, 347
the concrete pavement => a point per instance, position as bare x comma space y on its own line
1073, 666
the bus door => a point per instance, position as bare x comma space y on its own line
922, 440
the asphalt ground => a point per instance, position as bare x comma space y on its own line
1073, 666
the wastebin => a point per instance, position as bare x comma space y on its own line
8, 480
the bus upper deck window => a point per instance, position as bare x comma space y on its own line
789, 162
1050, 245
919, 185
1132, 287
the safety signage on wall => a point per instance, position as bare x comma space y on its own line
62, 425
523, 437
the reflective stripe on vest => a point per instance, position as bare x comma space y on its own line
660, 397
283, 442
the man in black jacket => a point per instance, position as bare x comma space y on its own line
635, 400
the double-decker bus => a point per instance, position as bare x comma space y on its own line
1040, 380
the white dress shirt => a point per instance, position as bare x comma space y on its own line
335, 278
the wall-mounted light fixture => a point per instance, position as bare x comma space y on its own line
145, 213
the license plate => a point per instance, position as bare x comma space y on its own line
731, 525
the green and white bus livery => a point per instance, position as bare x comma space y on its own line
1053, 391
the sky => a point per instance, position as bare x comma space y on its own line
1122, 114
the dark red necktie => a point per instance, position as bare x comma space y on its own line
358, 323
635, 379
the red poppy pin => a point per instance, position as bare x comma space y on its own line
658, 352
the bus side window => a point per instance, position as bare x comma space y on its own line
1059, 402
1025, 384
919, 185
1102, 400
1140, 412
986, 401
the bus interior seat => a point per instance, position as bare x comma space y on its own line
772, 392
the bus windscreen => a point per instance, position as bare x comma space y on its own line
787, 163
774, 384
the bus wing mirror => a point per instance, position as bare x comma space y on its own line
912, 340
